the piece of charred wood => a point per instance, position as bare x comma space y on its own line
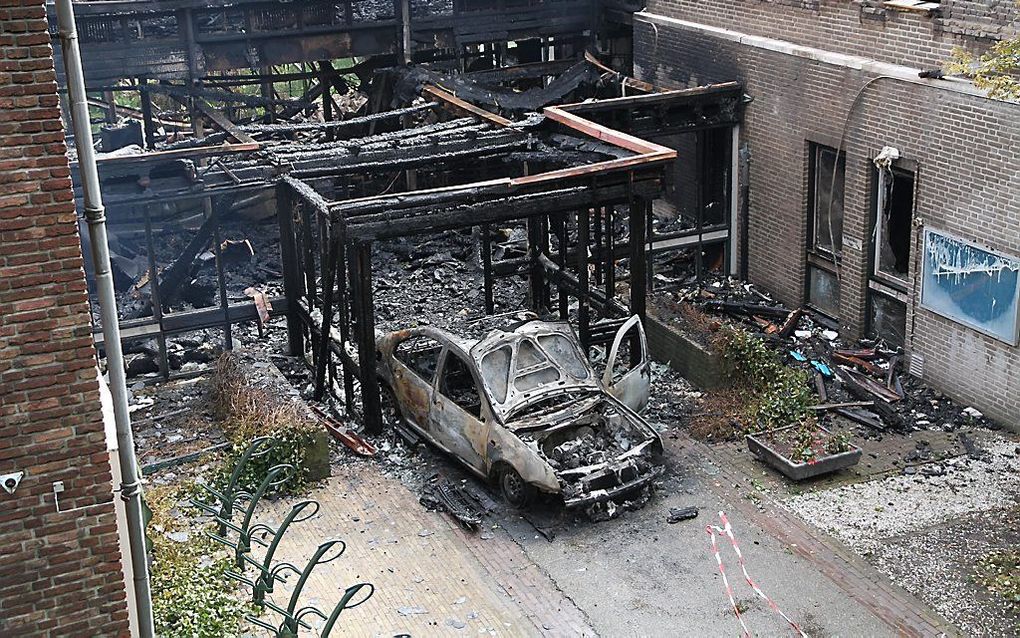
745, 308
790, 324
823, 396
180, 270
867, 366
865, 387
864, 417
867, 354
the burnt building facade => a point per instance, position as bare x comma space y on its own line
887, 201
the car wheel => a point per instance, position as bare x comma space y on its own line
388, 403
515, 490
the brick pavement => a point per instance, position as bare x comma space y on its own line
419, 561
422, 561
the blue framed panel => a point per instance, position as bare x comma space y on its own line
971, 285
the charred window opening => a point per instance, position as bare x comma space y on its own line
690, 223
420, 354
827, 171
893, 224
459, 386
823, 290
887, 318
827, 180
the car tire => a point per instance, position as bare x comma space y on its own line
516, 491
388, 402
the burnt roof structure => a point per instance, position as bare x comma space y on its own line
587, 171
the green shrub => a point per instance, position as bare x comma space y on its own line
191, 597
291, 446
780, 395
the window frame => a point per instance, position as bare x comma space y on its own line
815, 149
878, 199
413, 369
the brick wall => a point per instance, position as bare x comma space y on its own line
60, 573
861, 27
967, 150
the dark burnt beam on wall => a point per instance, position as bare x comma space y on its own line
667, 112
584, 292
488, 282
360, 256
291, 274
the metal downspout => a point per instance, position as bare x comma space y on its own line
95, 216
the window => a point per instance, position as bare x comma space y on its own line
827, 179
420, 354
459, 386
887, 318
894, 214
825, 228
496, 371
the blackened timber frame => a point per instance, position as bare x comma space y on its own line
353, 226
711, 108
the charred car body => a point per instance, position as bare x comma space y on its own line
523, 407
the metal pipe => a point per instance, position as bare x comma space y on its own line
95, 217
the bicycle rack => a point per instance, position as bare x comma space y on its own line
227, 500
269, 574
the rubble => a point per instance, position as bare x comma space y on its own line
863, 382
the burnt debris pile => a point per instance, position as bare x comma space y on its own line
869, 382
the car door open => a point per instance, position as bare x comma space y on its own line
628, 370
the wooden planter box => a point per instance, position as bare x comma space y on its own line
760, 446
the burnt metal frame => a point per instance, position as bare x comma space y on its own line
349, 228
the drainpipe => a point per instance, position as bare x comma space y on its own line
95, 216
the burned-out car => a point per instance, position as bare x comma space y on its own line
522, 406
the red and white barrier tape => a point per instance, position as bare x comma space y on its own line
727, 531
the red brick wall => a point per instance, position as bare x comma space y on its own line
966, 149
60, 573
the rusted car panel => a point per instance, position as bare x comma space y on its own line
526, 403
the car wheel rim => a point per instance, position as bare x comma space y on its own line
513, 486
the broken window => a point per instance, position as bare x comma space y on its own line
823, 291
827, 179
496, 372
420, 354
565, 354
459, 386
887, 318
892, 236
